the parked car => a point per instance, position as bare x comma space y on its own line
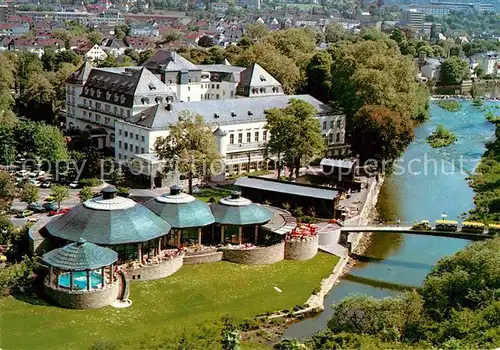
36, 183
38, 207
46, 184
40, 173
50, 206
33, 174
74, 184
25, 213
22, 172
59, 212
32, 219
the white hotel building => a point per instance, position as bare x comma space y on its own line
127, 109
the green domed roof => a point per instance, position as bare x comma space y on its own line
181, 210
236, 210
80, 256
108, 220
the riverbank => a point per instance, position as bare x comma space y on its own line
462, 97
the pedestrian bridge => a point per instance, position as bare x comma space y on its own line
394, 228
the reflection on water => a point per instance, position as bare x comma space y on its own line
396, 259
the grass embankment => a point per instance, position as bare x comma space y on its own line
451, 106
186, 304
441, 137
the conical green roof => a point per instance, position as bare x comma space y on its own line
181, 210
108, 220
80, 256
236, 210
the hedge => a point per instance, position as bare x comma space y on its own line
446, 225
472, 227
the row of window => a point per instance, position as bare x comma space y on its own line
107, 120
332, 123
131, 135
130, 147
107, 108
249, 137
330, 138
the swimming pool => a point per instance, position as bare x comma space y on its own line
80, 280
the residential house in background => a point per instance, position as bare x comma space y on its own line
144, 29
489, 62
91, 52
431, 69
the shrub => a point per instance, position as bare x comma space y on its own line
446, 225
477, 102
123, 191
316, 290
494, 229
472, 227
18, 278
451, 106
92, 182
421, 226
248, 324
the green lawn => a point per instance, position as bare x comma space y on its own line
209, 194
164, 310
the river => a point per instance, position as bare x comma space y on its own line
432, 183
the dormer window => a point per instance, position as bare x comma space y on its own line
250, 113
216, 116
99, 92
158, 99
108, 95
233, 114
262, 78
116, 97
122, 99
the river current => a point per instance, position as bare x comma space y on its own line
427, 183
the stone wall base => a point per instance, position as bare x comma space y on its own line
301, 250
256, 256
93, 299
153, 272
202, 258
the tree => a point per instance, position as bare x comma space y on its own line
50, 143
456, 50
30, 194
59, 193
7, 144
279, 65
85, 194
49, 59
453, 71
391, 319
7, 230
7, 190
319, 76
380, 134
295, 134
206, 41
190, 147
468, 279
256, 31
116, 177
38, 97
335, 32
171, 35
95, 37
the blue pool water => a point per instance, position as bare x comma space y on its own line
80, 280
